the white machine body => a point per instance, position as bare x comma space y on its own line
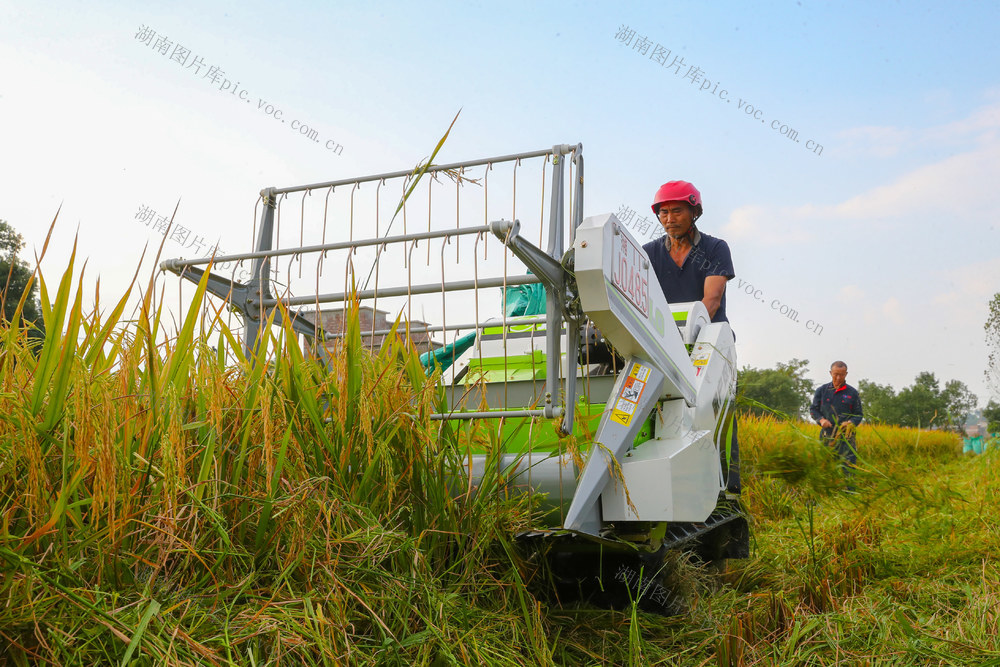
677, 475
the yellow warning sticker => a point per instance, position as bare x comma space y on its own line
699, 358
628, 398
640, 373
625, 406
621, 417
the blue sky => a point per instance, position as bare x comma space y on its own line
888, 238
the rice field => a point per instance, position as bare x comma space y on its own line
166, 501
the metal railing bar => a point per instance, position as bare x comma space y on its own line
343, 245
495, 414
534, 319
386, 292
563, 149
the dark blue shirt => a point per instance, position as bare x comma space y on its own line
837, 405
709, 256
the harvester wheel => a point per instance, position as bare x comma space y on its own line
612, 578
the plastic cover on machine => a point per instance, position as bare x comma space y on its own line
518, 300
521, 300
444, 357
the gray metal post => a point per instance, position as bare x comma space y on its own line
577, 195
573, 326
553, 305
260, 273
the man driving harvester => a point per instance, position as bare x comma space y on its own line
691, 266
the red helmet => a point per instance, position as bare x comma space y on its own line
678, 191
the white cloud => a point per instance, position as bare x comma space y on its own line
850, 294
885, 141
745, 222
765, 225
985, 120
963, 184
960, 188
974, 283
880, 141
892, 310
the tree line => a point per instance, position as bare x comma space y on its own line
786, 391
992, 372
15, 275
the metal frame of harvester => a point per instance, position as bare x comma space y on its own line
647, 388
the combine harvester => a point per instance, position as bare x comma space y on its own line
540, 329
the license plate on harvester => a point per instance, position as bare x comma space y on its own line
630, 272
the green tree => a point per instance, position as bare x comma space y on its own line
14, 278
879, 402
784, 389
928, 381
959, 401
991, 413
921, 404
993, 343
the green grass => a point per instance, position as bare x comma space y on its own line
166, 503
163, 506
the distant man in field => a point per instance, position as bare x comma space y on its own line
836, 407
